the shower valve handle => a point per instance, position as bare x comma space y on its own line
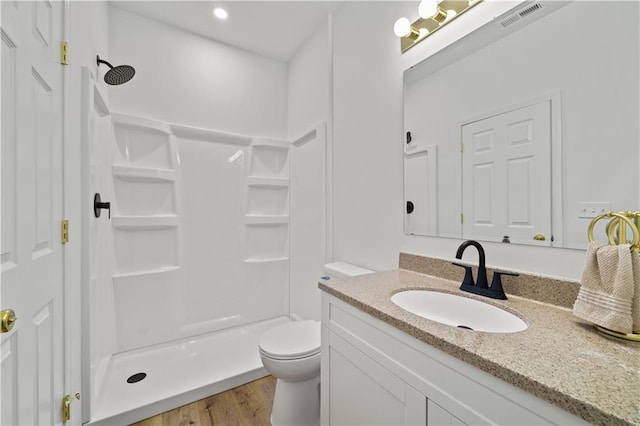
98, 205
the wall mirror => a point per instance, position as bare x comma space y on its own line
527, 128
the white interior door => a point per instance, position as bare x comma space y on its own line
31, 353
420, 190
506, 175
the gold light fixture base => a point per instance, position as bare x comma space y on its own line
634, 337
448, 11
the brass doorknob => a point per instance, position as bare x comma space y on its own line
7, 319
539, 237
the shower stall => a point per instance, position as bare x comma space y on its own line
189, 259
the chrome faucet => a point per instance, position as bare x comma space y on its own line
480, 286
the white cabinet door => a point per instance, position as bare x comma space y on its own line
362, 392
31, 353
438, 416
506, 176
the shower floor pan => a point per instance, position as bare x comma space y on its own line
179, 373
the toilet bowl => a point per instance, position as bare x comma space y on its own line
291, 353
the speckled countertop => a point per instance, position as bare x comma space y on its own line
558, 358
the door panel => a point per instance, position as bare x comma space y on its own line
9, 108
9, 389
506, 174
32, 255
482, 168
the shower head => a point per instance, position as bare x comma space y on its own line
117, 75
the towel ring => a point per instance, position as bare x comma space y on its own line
636, 233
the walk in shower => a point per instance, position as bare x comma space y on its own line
190, 264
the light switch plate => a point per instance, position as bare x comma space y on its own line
592, 209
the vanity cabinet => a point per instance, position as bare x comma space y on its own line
374, 374
363, 392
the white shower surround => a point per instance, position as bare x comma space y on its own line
197, 245
191, 256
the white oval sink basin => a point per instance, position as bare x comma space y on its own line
458, 311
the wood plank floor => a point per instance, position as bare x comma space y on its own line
246, 405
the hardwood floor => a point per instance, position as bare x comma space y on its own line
246, 405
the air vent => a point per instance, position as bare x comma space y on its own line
512, 19
530, 9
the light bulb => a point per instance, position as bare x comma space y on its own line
220, 13
427, 8
423, 32
402, 27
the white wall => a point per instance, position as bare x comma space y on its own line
308, 106
367, 129
368, 138
308, 83
186, 79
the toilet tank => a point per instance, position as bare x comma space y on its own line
335, 270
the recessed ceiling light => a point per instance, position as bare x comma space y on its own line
220, 13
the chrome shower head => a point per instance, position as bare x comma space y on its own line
117, 75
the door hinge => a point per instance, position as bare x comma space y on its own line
64, 53
461, 146
65, 231
461, 218
66, 406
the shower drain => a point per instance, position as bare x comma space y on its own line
136, 377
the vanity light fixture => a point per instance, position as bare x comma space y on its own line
403, 28
433, 15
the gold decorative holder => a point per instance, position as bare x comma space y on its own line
448, 11
634, 337
618, 225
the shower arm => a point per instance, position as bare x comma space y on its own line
102, 61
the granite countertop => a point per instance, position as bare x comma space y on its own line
559, 358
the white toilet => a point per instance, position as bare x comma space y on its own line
291, 353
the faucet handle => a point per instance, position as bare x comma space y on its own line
468, 275
496, 284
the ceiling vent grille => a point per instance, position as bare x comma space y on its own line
510, 20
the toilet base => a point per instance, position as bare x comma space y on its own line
296, 403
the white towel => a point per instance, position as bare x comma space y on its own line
608, 291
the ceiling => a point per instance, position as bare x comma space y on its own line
275, 29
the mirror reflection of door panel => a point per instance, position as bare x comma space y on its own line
509, 153
420, 171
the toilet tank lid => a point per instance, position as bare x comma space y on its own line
344, 270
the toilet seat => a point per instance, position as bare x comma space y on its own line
294, 340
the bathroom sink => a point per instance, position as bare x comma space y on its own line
458, 311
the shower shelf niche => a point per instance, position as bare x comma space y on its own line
269, 159
266, 260
266, 219
146, 222
142, 143
269, 182
267, 209
143, 174
146, 272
